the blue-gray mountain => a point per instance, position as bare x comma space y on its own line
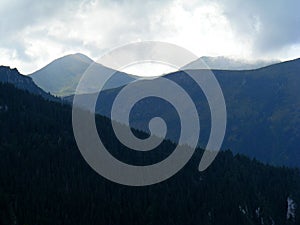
61, 76
263, 108
225, 63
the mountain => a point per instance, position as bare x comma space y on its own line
263, 108
44, 179
12, 76
225, 63
61, 76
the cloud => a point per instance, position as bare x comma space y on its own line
42, 30
19, 15
271, 25
32, 32
19, 25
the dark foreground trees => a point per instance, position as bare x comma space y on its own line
44, 179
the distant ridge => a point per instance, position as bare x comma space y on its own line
263, 108
61, 76
226, 63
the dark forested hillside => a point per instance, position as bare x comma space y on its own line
44, 179
12, 76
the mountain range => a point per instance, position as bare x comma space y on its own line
262, 105
45, 180
61, 76
263, 108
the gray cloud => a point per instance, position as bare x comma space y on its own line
16, 16
272, 25
110, 22
39, 30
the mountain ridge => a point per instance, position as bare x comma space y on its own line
61, 76
12, 76
227, 63
263, 105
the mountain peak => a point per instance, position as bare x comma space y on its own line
81, 57
61, 76
8, 68
72, 58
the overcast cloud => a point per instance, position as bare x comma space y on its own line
32, 32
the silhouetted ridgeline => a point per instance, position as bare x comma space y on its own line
44, 179
12, 76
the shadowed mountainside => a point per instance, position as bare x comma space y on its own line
44, 179
12, 76
263, 110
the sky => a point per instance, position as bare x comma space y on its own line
35, 32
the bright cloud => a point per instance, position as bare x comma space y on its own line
32, 33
